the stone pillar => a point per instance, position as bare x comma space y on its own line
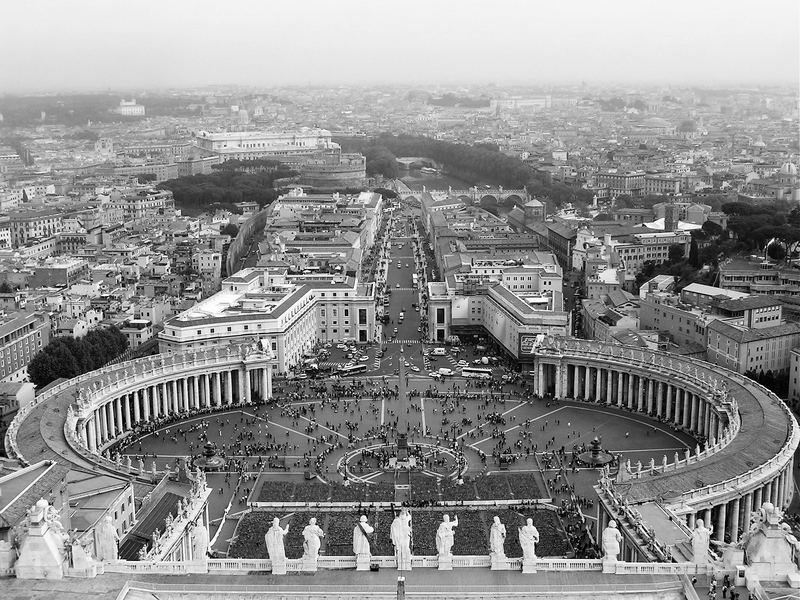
629, 399
240, 391
175, 399
248, 392
640, 393
118, 409
748, 508
576, 384
91, 436
207, 390
195, 392
598, 385
707, 518
773, 492
136, 408
668, 416
145, 403
650, 394
757, 498
264, 383
154, 393
691, 520
103, 423
217, 389
687, 410
660, 399
126, 404
722, 513
735, 516
620, 388
609, 386
185, 389
228, 387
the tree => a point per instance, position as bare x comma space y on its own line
5, 288
712, 229
68, 357
694, 254
675, 253
230, 229
146, 177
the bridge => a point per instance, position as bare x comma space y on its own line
485, 197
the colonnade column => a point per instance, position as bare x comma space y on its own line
629, 400
576, 382
735, 520
650, 386
217, 388
118, 410
196, 392
660, 399
91, 437
126, 406
598, 384
207, 389
620, 387
136, 408
668, 416
639, 393
145, 403
721, 516
103, 423
610, 387
248, 391
228, 387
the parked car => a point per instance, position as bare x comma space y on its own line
415, 368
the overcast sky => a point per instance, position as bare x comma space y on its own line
102, 44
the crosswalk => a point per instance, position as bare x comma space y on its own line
404, 289
396, 341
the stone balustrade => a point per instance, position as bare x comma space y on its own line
223, 566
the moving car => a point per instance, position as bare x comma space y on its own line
445, 372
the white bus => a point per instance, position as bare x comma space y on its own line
354, 370
476, 372
414, 280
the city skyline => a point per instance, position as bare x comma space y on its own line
90, 46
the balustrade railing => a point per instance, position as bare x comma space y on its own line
297, 565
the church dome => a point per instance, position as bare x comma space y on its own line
788, 169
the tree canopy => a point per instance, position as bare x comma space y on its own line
473, 164
225, 187
68, 357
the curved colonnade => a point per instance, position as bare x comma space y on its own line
748, 435
98, 409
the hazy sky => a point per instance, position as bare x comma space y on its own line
100, 44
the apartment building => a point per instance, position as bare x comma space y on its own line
22, 335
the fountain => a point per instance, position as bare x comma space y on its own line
209, 460
595, 456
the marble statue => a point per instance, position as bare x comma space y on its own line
611, 542
444, 536
199, 541
497, 537
701, 537
401, 538
274, 541
528, 538
361, 533
312, 534
106, 540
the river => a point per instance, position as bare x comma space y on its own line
415, 180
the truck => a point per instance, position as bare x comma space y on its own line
445, 372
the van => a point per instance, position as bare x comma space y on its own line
439, 352
445, 372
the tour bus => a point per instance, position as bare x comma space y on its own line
439, 352
476, 372
354, 370
414, 280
